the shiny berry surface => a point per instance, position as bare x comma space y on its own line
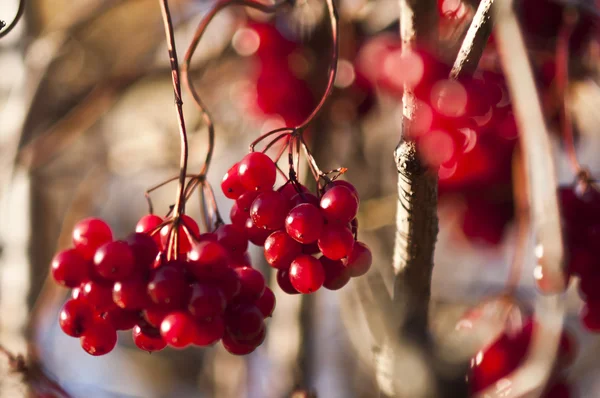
100, 339
269, 209
360, 260
89, 234
69, 268
148, 338
304, 223
75, 317
280, 250
339, 205
336, 241
231, 185
307, 274
178, 329
114, 260
257, 172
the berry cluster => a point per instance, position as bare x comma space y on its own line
581, 222
209, 292
294, 225
498, 360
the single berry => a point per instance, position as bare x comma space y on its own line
131, 294
114, 261
183, 239
238, 216
154, 314
207, 260
284, 282
256, 235
206, 301
339, 205
359, 260
336, 241
304, 223
148, 338
89, 234
168, 285
281, 249
69, 268
232, 185
98, 295
266, 303
144, 250
336, 273
257, 172
147, 224
232, 238
342, 183
306, 274
178, 329
244, 321
100, 339
253, 283
236, 348
244, 202
269, 209
75, 317
209, 331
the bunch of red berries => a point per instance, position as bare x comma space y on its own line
294, 225
581, 221
208, 292
498, 360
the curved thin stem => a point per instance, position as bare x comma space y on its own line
14, 22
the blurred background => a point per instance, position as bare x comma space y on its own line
87, 124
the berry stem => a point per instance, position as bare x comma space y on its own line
14, 22
160, 185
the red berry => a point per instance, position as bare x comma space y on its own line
147, 224
281, 249
256, 235
244, 202
336, 273
206, 301
289, 190
69, 268
114, 260
284, 282
266, 303
232, 238
236, 348
155, 314
100, 339
209, 331
229, 283
257, 172
121, 319
342, 183
131, 294
183, 239
144, 250
339, 205
75, 317
232, 185
178, 329
336, 241
89, 234
244, 321
359, 260
98, 295
168, 285
304, 223
306, 274
148, 338
253, 283
269, 209
238, 216
207, 260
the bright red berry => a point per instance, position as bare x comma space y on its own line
257, 172
184, 242
269, 209
339, 205
168, 285
232, 238
359, 260
304, 223
89, 234
232, 185
149, 223
178, 329
284, 282
253, 283
209, 331
306, 274
69, 268
131, 294
281, 249
114, 261
75, 317
98, 295
238, 216
148, 338
336, 241
206, 301
342, 183
266, 303
336, 273
207, 260
100, 339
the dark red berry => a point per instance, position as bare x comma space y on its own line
269, 209
256, 235
244, 202
336, 241
229, 283
206, 301
290, 190
281, 249
339, 205
131, 294
284, 282
144, 250
98, 295
148, 338
236, 348
178, 329
69, 268
207, 260
209, 331
168, 285
100, 339
121, 319
232, 238
89, 234
232, 185
305, 197
244, 321
154, 314
311, 248
304, 223
184, 242
266, 303
149, 223
336, 273
114, 260
359, 260
75, 317
253, 283
306, 274
257, 172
